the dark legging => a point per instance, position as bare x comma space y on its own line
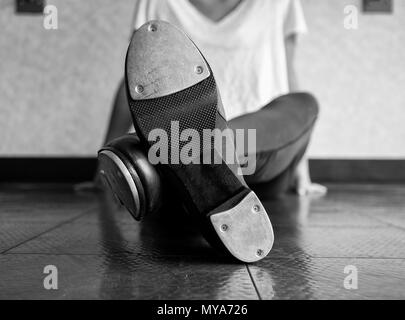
283, 130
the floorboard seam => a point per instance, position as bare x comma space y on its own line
388, 224
139, 255
253, 282
48, 230
364, 258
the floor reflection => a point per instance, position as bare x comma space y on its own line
289, 265
263, 281
159, 271
115, 265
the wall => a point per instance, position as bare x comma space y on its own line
359, 78
56, 87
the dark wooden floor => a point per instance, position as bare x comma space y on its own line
101, 253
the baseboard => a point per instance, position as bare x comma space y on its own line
358, 171
83, 169
47, 169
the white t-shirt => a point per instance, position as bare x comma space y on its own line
246, 49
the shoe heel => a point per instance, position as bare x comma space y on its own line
124, 184
245, 230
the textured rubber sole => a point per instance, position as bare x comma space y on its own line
214, 193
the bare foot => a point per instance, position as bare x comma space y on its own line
304, 185
312, 189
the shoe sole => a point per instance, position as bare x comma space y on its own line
168, 79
